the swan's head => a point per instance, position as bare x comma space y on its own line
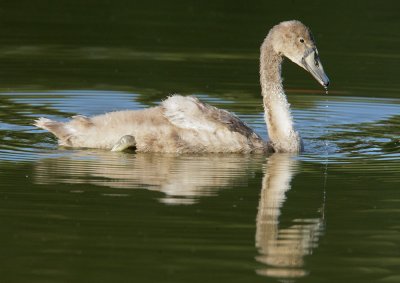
294, 40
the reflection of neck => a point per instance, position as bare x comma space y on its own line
277, 111
281, 250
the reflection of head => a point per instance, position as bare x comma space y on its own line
282, 250
181, 178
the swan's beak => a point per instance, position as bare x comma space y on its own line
312, 64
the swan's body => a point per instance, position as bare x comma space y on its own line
180, 124
186, 125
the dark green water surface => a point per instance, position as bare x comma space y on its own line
330, 214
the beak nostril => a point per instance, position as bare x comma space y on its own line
310, 61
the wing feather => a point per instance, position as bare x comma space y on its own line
188, 112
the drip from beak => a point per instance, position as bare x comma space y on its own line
312, 64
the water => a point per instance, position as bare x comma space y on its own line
330, 214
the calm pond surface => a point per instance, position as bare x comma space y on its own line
330, 214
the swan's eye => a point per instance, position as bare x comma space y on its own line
301, 40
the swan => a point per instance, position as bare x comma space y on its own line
186, 125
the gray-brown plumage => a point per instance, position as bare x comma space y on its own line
186, 125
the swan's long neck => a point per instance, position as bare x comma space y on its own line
278, 118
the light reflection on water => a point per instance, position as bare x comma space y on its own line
333, 126
116, 53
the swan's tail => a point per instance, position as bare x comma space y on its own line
81, 131
59, 129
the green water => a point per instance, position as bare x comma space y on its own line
330, 214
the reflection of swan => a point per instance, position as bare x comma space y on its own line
282, 250
182, 179
184, 124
